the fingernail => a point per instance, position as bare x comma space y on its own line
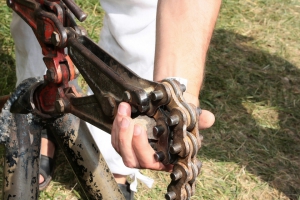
122, 110
124, 123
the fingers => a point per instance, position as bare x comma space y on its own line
123, 111
125, 143
122, 133
131, 140
206, 119
143, 151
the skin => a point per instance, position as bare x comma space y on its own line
184, 30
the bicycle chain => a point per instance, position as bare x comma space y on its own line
177, 125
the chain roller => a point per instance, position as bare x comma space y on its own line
183, 143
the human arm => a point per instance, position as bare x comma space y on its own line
183, 33
184, 29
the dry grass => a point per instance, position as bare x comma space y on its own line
252, 85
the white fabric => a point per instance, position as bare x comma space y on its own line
29, 57
128, 34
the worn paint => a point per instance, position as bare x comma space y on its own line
85, 158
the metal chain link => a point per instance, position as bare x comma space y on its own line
184, 141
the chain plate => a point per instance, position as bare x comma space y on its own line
178, 141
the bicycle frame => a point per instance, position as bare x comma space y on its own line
21, 169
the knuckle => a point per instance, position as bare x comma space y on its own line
122, 140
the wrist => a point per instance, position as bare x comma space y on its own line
190, 98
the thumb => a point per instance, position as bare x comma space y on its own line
206, 119
124, 110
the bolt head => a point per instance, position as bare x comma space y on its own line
182, 87
173, 120
176, 148
126, 96
159, 156
175, 175
170, 195
59, 105
55, 39
156, 95
50, 74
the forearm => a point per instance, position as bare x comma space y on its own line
184, 30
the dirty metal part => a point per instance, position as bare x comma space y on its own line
157, 95
5, 123
27, 101
3, 99
176, 190
21, 165
107, 77
184, 143
85, 158
21, 134
76, 10
6, 115
48, 20
158, 130
159, 156
178, 93
55, 39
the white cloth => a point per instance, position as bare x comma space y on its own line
128, 34
29, 57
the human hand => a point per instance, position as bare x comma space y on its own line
130, 140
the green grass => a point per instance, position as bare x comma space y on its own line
252, 85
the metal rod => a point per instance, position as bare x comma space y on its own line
21, 167
76, 10
85, 158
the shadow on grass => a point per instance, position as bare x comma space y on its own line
255, 97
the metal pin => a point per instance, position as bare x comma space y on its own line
158, 130
159, 156
143, 109
175, 175
50, 74
126, 96
173, 120
156, 95
182, 87
176, 148
60, 105
55, 38
170, 195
